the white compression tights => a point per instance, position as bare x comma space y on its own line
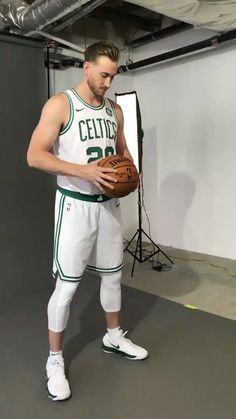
59, 303
110, 292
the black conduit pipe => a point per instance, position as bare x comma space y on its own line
159, 34
214, 41
48, 74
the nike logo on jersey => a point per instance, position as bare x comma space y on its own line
79, 110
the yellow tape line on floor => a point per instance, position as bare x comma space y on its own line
190, 306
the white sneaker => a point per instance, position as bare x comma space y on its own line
124, 347
57, 385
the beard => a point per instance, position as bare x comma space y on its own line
98, 92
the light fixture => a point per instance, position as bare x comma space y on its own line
132, 125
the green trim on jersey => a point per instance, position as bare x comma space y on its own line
84, 197
96, 108
69, 123
104, 270
56, 243
114, 110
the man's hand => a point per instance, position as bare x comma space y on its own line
97, 175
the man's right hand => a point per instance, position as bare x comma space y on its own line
97, 175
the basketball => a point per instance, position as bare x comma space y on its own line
127, 175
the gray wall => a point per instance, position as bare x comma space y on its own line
26, 202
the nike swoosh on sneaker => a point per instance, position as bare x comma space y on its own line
115, 346
78, 110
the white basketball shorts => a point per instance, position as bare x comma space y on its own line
87, 235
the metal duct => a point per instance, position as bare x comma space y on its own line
17, 13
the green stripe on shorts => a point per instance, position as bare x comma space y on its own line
105, 270
56, 245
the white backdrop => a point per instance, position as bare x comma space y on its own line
188, 111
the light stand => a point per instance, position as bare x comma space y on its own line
138, 254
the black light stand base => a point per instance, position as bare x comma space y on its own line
138, 254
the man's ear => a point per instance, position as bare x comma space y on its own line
86, 66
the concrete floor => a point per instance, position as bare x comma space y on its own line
206, 282
192, 367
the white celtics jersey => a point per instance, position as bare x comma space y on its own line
90, 134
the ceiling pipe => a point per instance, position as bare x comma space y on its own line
62, 64
76, 15
207, 43
63, 42
158, 34
18, 14
180, 52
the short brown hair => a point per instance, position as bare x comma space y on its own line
102, 48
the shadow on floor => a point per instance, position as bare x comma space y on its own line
91, 322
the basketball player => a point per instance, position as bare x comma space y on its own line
83, 126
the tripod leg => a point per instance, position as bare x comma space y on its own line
167, 257
159, 249
135, 255
126, 247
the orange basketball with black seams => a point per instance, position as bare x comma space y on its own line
127, 175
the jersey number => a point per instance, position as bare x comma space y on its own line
99, 153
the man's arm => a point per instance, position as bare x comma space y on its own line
43, 139
121, 146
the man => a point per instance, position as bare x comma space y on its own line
82, 126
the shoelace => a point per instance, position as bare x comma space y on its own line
127, 340
57, 367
